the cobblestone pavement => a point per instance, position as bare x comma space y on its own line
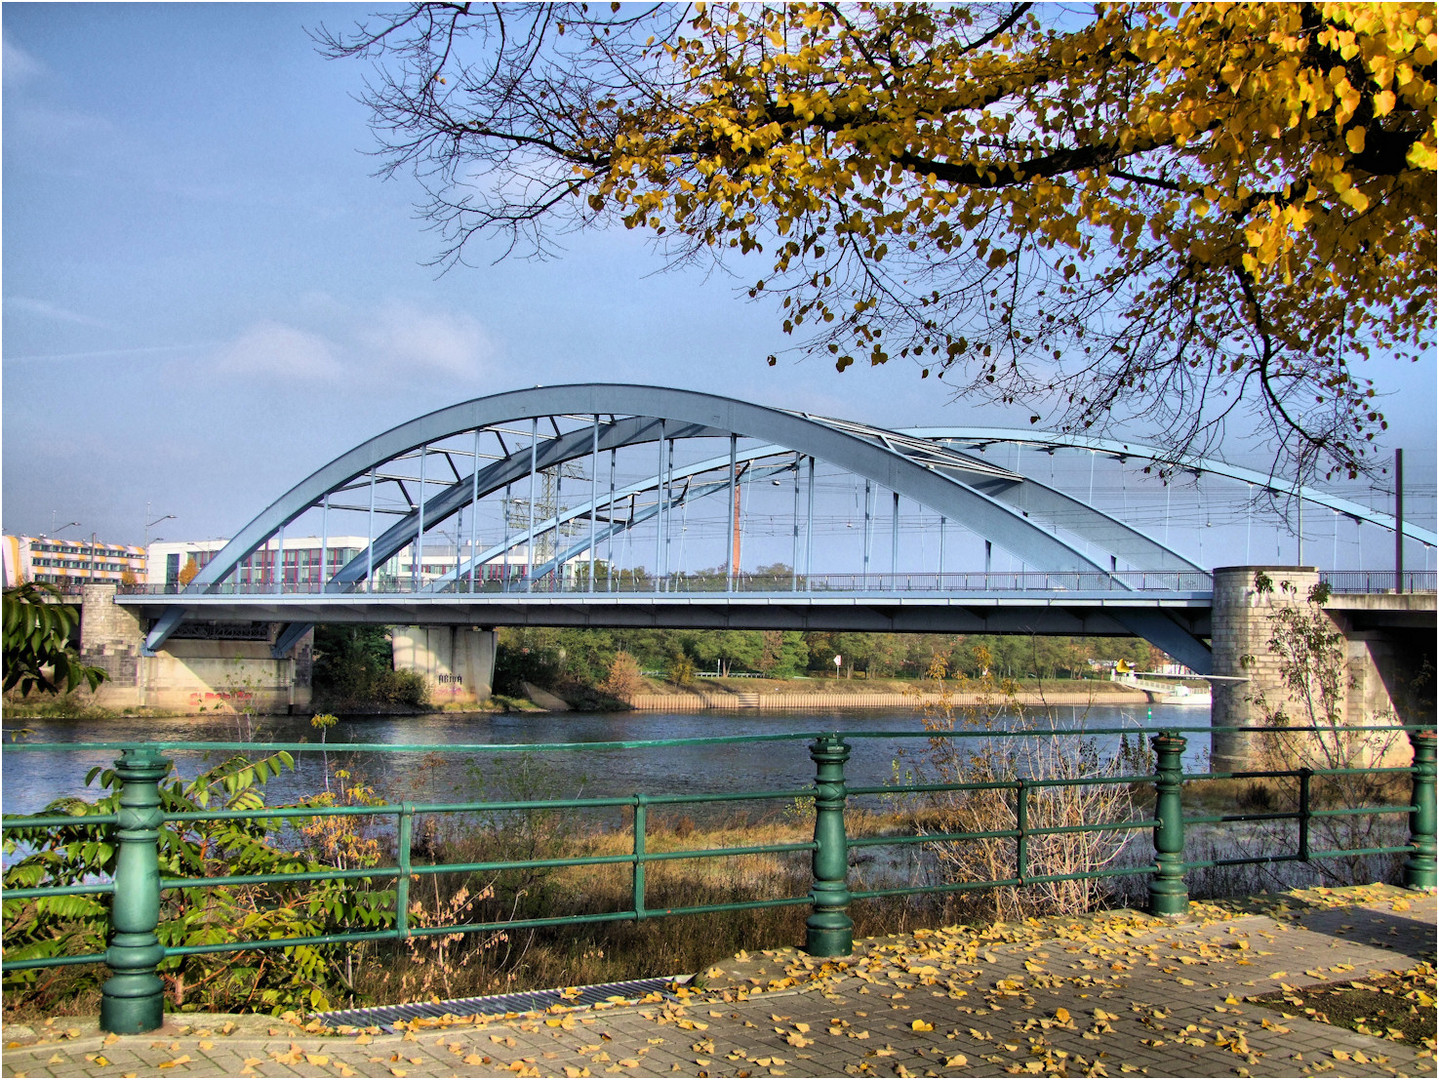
1110, 995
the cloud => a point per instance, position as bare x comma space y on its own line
406, 339
46, 310
271, 348
365, 349
19, 66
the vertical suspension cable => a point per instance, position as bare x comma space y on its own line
370, 539
324, 540
594, 497
730, 540
506, 559
474, 504
809, 532
530, 535
558, 574
626, 559
660, 508
894, 537
669, 495
794, 556
1168, 494
280, 558
868, 518
1248, 521
420, 530
610, 542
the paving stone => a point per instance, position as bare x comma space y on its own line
1138, 980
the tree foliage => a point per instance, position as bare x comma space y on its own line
354, 667
38, 653
625, 679
1314, 725
299, 976
1162, 211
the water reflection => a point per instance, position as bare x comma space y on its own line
438, 770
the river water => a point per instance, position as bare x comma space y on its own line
447, 766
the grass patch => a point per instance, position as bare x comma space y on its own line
71, 707
1398, 1006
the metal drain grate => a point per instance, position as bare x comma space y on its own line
386, 1016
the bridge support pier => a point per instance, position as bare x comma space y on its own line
207, 666
457, 662
1379, 661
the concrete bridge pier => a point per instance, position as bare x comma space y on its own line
210, 666
457, 662
1386, 651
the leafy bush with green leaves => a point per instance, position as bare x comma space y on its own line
38, 629
354, 668
295, 977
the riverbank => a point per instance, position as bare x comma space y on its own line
657, 696
783, 694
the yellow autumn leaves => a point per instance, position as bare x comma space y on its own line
1245, 137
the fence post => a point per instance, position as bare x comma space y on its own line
404, 842
133, 998
639, 853
1419, 868
829, 931
1021, 825
1168, 894
1306, 774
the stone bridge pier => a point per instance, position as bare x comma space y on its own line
1387, 673
215, 666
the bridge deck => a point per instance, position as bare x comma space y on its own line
1036, 611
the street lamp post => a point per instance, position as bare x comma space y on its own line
150, 525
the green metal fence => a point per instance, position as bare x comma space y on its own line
133, 996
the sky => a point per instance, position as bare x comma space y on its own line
208, 293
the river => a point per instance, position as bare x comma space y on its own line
448, 771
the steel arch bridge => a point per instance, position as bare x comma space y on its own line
1086, 571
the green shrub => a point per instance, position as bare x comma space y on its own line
300, 977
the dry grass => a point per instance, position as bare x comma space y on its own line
521, 959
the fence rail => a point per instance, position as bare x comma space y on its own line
133, 997
977, 582
1379, 581
1339, 581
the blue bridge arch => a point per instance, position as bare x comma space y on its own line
934, 467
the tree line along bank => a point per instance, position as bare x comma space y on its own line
353, 664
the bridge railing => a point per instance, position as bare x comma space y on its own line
1378, 581
967, 583
124, 850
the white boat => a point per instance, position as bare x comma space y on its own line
1180, 695
1162, 693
